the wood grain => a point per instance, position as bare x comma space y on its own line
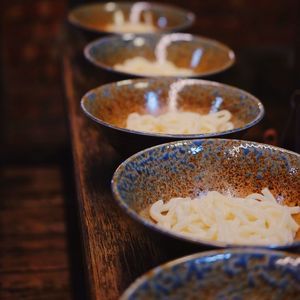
117, 250
34, 263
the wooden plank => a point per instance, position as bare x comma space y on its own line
48, 285
34, 261
33, 254
37, 220
117, 250
24, 188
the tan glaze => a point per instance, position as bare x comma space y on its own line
94, 16
122, 102
296, 217
216, 57
100, 25
109, 105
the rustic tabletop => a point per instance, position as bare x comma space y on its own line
116, 249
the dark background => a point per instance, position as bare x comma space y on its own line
39, 252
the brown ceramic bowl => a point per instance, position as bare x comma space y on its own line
96, 16
193, 167
202, 56
109, 106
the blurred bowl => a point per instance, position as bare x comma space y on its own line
109, 106
190, 168
200, 55
224, 274
97, 17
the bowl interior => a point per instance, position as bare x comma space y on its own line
112, 103
202, 55
229, 274
96, 16
189, 168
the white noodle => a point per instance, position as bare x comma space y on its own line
143, 66
133, 25
130, 27
179, 122
254, 220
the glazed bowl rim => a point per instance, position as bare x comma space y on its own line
110, 38
190, 17
199, 255
150, 225
202, 82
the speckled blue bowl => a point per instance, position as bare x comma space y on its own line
96, 16
189, 168
232, 274
109, 106
205, 57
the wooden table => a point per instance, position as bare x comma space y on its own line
117, 250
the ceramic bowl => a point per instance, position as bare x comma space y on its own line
201, 55
191, 168
97, 16
109, 105
225, 274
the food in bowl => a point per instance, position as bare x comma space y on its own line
156, 54
143, 66
130, 17
161, 66
110, 105
257, 219
176, 121
130, 27
181, 122
193, 168
134, 22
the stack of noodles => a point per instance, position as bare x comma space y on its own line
122, 26
180, 122
257, 219
141, 65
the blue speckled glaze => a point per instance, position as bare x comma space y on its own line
189, 168
232, 274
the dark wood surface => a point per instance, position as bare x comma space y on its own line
31, 90
37, 260
116, 249
34, 262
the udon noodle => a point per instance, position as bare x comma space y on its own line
181, 122
133, 25
141, 65
257, 219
